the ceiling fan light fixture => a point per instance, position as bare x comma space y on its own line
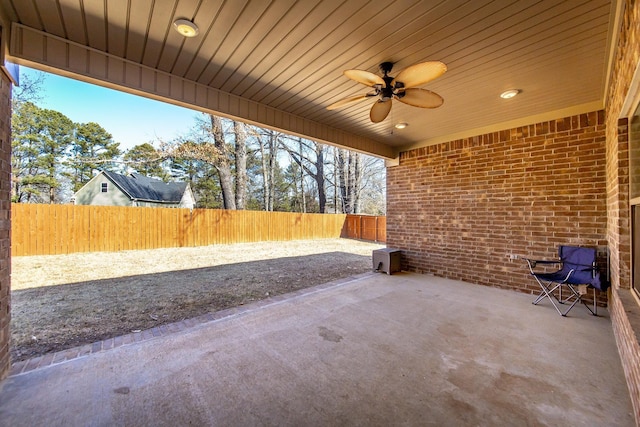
401, 125
185, 27
508, 94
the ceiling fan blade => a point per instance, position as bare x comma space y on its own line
364, 77
346, 101
419, 74
380, 111
421, 98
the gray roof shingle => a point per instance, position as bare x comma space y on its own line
140, 187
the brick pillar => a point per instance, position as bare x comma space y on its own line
5, 222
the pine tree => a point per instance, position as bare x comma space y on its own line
92, 150
40, 141
147, 161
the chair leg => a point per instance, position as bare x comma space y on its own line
577, 297
595, 305
547, 292
560, 300
573, 298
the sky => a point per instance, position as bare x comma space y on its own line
130, 119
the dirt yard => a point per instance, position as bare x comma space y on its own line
63, 301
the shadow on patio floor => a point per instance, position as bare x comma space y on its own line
370, 350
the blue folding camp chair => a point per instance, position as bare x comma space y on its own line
578, 267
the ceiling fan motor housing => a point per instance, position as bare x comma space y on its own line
387, 91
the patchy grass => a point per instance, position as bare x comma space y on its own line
63, 301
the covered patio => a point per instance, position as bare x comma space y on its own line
479, 181
406, 349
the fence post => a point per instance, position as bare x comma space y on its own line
376, 229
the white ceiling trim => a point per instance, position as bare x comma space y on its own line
50, 53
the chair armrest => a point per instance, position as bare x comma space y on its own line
533, 262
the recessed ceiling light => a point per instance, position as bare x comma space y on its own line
401, 125
509, 93
186, 27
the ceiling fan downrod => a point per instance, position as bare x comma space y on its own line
386, 67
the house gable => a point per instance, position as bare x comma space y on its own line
113, 189
188, 201
93, 193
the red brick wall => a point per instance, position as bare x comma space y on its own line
624, 308
625, 319
5, 226
460, 208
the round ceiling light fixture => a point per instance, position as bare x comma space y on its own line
401, 125
508, 94
185, 27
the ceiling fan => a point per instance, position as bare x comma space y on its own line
402, 87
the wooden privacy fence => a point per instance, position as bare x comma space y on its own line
366, 227
38, 229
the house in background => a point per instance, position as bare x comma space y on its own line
113, 189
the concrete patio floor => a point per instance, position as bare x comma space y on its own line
406, 349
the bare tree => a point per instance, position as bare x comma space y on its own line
210, 147
354, 179
268, 146
30, 89
251, 177
372, 194
221, 162
342, 170
310, 157
349, 177
240, 164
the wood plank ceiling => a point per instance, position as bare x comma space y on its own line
289, 54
